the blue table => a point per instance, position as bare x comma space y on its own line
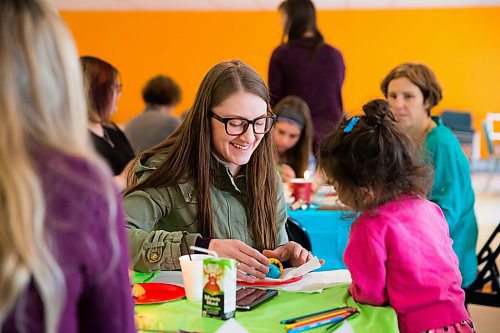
328, 231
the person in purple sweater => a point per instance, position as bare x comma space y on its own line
63, 249
399, 250
307, 67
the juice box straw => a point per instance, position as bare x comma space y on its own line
201, 249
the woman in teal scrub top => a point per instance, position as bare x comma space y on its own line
412, 90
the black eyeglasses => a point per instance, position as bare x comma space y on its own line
238, 126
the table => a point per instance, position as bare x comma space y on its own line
185, 315
328, 231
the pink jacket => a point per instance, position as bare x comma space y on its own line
401, 256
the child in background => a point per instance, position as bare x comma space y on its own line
293, 136
399, 251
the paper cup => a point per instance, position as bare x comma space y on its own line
192, 275
301, 189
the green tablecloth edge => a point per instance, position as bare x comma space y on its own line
185, 315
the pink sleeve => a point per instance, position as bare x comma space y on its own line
366, 257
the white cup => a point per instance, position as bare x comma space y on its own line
192, 275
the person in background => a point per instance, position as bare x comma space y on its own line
399, 251
213, 182
161, 95
307, 67
292, 135
412, 90
103, 88
63, 249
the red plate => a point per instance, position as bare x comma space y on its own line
270, 283
160, 293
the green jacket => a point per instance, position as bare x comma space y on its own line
156, 217
452, 191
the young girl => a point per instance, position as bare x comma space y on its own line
399, 251
292, 135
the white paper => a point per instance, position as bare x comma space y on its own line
312, 282
345, 328
315, 282
231, 326
289, 273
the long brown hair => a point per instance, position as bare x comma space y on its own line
296, 109
188, 154
301, 17
374, 152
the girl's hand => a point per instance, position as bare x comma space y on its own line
292, 252
251, 263
286, 172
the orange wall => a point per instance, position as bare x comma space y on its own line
461, 45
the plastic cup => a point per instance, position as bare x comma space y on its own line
192, 275
301, 189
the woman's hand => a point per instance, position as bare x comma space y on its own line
248, 260
292, 252
286, 172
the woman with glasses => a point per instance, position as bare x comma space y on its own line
103, 88
213, 182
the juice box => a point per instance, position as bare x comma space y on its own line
219, 288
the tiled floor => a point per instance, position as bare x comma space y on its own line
487, 319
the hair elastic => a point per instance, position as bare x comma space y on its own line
351, 124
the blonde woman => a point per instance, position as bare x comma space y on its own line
63, 263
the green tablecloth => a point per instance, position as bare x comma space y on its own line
185, 315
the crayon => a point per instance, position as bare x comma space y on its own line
295, 319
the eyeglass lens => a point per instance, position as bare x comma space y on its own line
240, 126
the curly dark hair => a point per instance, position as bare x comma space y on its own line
161, 90
374, 154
